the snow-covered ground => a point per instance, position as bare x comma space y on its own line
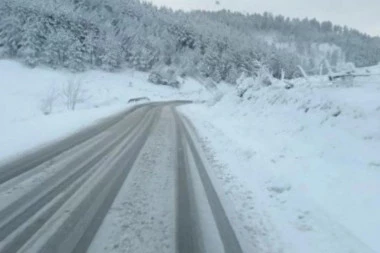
23, 125
301, 167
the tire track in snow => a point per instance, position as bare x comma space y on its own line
12, 217
66, 211
32, 159
226, 231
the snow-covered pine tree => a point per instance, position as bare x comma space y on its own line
32, 42
10, 34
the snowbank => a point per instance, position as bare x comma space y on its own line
23, 124
307, 159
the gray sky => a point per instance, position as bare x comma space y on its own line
363, 15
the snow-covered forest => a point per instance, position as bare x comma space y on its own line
112, 34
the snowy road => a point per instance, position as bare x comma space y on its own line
134, 183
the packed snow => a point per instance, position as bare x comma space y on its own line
300, 166
25, 124
141, 218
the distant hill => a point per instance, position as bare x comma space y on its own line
305, 35
111, 34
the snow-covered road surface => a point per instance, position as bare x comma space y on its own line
136, 182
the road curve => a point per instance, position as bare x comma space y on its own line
131, 183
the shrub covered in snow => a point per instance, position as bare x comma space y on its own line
263, 78
48, 101
73, 93
164, 77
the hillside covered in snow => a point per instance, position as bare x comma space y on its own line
304, 162
80, 35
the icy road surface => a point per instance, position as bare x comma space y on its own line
134, 183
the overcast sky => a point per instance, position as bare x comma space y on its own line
363, 15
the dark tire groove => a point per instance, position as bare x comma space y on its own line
188, 236
226, 231
87, 237
77, 232
32, 228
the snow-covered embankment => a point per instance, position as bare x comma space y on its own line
307, 159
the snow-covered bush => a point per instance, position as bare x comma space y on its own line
73, 94
50, 98
246, 83
164, 76
264, 77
